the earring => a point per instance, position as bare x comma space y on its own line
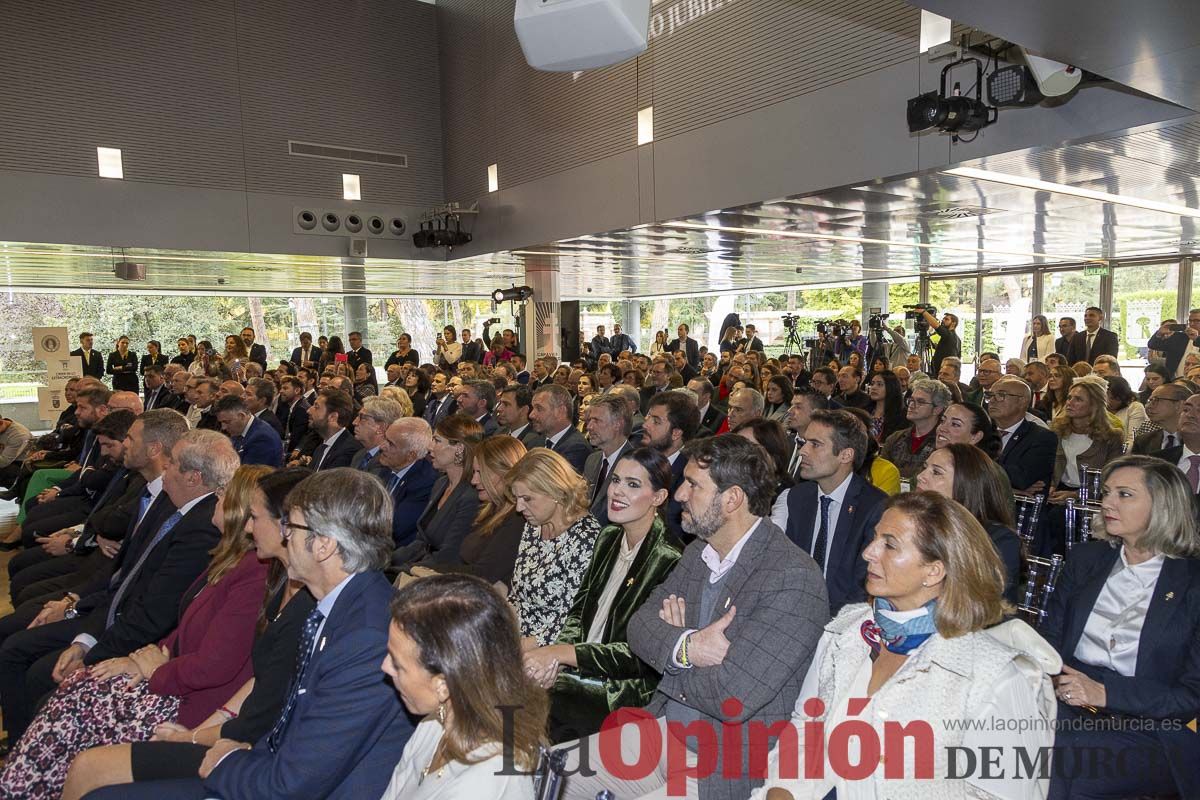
924, 583
441, 713
458, 458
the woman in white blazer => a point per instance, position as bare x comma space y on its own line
1039, 342
925, 651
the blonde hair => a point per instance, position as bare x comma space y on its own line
1099, 427
497, 455
235, 512
547, 473
400, 396
972, 593
1172, 528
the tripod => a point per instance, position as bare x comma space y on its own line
792, 343
875, 347
925, 350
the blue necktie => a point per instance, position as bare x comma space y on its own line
128, 577
818, 552
303, 655
238, 442
366, 459
393, 484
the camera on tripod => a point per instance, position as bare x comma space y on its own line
875, 321
917, 314
790, 320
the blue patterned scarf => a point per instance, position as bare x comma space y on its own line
901, 631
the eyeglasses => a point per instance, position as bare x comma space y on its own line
1153, 400
287, 528
989, 396
912, 401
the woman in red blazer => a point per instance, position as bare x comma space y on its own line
185, 678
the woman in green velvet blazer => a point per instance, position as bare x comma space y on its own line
589, 670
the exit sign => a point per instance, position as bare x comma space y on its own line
1101, 270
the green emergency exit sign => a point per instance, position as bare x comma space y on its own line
1100, 270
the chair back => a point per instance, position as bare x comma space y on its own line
1079, 522
1028, 510
1089, 484
1040, 574
548, 777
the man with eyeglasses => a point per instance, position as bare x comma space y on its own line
908, 448
986, 377
1027, 449
1186, 454
1162, 409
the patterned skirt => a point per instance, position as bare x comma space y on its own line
82, 713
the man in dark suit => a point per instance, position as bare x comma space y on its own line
832, 515
341, 725
550, 416
370, 426
140, 603
689, 347
805, 403
93, 362
1066, 330
608, 424
357, 354
306, 355
441, 403
1162, 410
258, 353
1176, 345
1186, 454
476, 400
293, 412
179, 392
739, 634
518, 364
752, 342
1027, 449
512, 412
157, 393
1093, 340
672, 420
620, 341
711, 417
601, 343
254, 441
472, 348
407, 474
330, 417
259, 396
685, 370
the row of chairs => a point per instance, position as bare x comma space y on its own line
1041, 574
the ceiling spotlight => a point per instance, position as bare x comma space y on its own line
1013, 86
515, 294
953, 113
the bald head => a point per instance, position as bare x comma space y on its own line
404, 441
126, 400
228, 388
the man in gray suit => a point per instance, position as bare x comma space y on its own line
551, 417
732, 630
608, 424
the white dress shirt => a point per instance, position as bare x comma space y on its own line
328, 446
835, 511
1114, 628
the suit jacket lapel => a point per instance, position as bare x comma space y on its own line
807, 520
743, 569
1017, 436
841, 533
1087, 595
1169, 596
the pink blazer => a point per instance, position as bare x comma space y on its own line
210, 650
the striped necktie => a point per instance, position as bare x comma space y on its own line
303, 655
171, 522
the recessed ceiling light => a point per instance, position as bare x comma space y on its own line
1073, 191
351, 187
493, 178
109, 159
645, 126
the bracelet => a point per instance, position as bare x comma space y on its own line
226, 710
683, 651
194, 736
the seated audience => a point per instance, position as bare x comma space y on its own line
454, 657
370, 431
778, 397
407, 474
1154, 376
968, 423
329, 417
556, 543
878, 471
365, 383
255, 441
184, 677
832, 514
176, 751
908, 448
770, 434
1026, 448
965, 474
744, 404
608, 425
924, 650
551, 415
453, 502
1057, 387
1162, 414
738, 618
590, 669
1123, 617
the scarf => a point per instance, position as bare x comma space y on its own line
901, 631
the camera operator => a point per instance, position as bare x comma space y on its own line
852, 341
897, 351
948, 341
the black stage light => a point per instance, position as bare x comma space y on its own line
951, 113
1013, 86
516, 294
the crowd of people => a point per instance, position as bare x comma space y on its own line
251, 581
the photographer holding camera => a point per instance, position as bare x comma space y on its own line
1177, 341
948, 342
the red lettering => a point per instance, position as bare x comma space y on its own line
731, 739
839, 749
814, 738
894, 733
678, 770
649, 745
760, 749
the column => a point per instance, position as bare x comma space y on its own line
540, 336
354, 297
629, 314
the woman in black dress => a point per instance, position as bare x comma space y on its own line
123, 366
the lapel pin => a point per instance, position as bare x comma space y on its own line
322, 647
629, 582
728, 600
1170, 596
849, 509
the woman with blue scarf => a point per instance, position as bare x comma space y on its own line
929, 671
